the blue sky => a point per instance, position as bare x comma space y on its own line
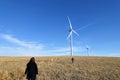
41, 27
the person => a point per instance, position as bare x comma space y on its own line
31, 69
72, 59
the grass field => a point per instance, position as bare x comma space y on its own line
61, 68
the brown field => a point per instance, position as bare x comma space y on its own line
61, 68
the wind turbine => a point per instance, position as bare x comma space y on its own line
87, 48
71, 31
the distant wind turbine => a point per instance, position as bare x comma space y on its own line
70, 36
87, 48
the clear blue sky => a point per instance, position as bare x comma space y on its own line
40, 27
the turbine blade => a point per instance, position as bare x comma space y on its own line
84, 27
87, 46
70, 23
69, 35
75, 32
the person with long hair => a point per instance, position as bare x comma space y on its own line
31, 69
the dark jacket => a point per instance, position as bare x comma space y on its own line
31, 69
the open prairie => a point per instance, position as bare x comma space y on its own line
61, 68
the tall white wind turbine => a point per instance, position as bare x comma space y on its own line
70, 36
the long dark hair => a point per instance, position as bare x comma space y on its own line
32, 59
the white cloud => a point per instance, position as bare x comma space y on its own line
33, 49
65, 51
20, 42
19, 51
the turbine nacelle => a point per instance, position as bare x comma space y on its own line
70, 30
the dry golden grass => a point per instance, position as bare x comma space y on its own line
61, 68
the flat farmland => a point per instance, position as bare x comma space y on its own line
61, 68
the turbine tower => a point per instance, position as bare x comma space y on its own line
71, 31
